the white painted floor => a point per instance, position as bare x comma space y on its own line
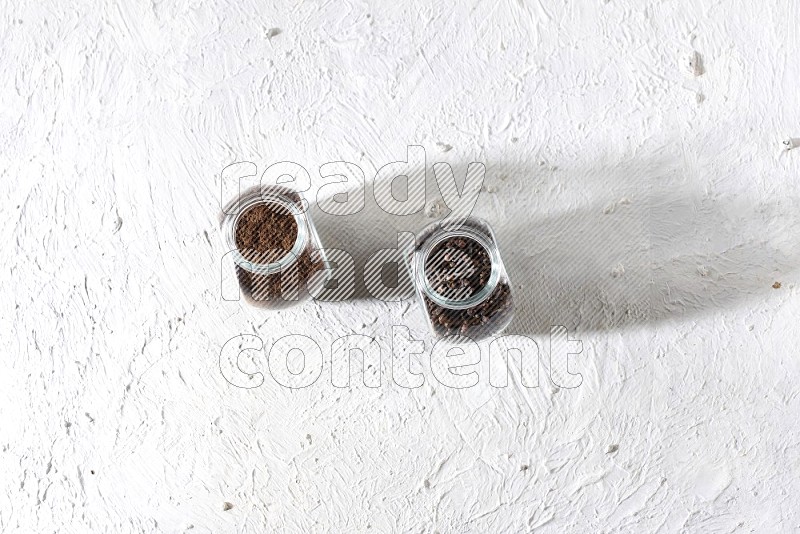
638, 183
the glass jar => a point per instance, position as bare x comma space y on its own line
275, 247
461, 280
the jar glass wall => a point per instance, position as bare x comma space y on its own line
275, 247
461, 280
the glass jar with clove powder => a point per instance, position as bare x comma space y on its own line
461, 280
276, 250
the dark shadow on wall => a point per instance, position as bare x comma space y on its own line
373, 229
652, 249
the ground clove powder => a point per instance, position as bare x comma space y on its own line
266, 232
276, 244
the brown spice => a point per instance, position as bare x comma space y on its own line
475, 321
264, 234
458, 268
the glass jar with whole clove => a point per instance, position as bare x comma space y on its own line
276, 250
461, 280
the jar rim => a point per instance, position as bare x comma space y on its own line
257, 198
458, 304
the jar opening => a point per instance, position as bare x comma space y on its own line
458, 269
267, 233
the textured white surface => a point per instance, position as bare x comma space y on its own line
613, 158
